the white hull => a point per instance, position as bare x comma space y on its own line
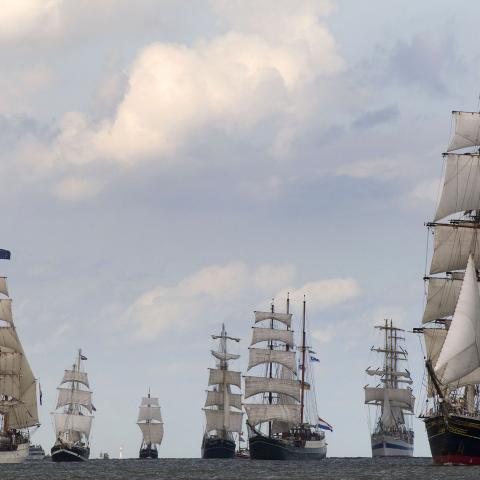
391, 446
15, 456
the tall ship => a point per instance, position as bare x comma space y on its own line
283, 423
392, 434
222, 406
151, 424
18, 387
451, 319
73, 418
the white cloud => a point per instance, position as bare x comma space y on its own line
425, 193
75, 189
223, 291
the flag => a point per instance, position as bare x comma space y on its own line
40, 392
83, 357
4, 254
314, 359
324, 425
93, 408
311, 351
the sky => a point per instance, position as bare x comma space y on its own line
169, 166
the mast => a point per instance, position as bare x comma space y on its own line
270, 345
302, 401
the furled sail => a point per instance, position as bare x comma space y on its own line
225, 356
467, 130
258, 356
216, 420
272, 335
255, 385
285, 318
460, 352
461, 188
453, 245
228, 377
258, 413
216, 398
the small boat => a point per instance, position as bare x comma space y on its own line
18, 387
35, 453
151, 424
73, 423
222, 423
392, 435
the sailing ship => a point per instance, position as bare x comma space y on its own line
18, 387
222, 423
74, 421
151, 424
392, 435
283, 424
451, 320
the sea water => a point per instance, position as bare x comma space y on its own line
244, 469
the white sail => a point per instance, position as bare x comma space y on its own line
453, 245
467, 130
146, 413
255, 385
217, 420
460, 352
258, 356
153, 401
9, 339
67, 396
25, 414
217, 399
228, 377
285, 318
74, 376
10, 386
65, 422
434, 339
398, 397
442, 298
272, 334
224, 356
6, 310
10, 363
3, 286
461, 188
258, 413
387, 418
152, 432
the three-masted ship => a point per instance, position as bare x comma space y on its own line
392, 435
18, 387
283, 424
452, 311
73, 423
222, 406
151, 424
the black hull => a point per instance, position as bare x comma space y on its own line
266, 448
454, 439
218, 448
148, 452
62, 453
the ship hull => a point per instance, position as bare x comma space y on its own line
218, 448
63, 453
18, 455
384, 445
148, 452
266, 448
454, 439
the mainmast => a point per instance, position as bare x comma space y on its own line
302, 401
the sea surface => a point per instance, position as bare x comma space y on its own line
244, 469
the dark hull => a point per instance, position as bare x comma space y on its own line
218, 448
454, 439
266, 448
62, 453
148, 452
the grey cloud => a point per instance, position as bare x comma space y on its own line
376, 117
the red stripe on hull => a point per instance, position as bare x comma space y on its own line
456, 459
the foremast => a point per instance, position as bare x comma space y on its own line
73, 423
451, 319
394, 401
220, 400
18, 387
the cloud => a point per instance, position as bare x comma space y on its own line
75, 189
425, 193
379, 168
376, 117
223, 291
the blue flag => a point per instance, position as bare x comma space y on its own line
4, 254
314, 359
83, 357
